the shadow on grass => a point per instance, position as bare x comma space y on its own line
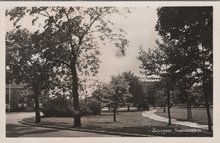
129, 123
165, 131
13, 130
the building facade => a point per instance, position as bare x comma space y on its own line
18, 98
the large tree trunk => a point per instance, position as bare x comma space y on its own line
36, 101
189, 106
77, 118
114, 113
204, 82
168, 106
208, 111
189, 111
75, 94
164, 108
161, 105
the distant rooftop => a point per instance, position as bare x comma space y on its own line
14, 85
150, 78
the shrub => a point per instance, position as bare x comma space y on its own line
94, 106
90, 107
84, 109
61, 107
57, 107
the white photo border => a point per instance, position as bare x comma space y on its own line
216, 98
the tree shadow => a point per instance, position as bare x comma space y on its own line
13, 130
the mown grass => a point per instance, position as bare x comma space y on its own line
127, 122
180, 113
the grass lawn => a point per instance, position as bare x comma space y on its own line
127, 122
180, 113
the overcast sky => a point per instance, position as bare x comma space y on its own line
140, 28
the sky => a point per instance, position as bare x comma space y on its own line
140, 28
139, 25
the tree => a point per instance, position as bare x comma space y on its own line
70, 36
113, 94
154, 63
154, 93
191, 29
136, 89
102, 94
24, 64
185, 85
120, 92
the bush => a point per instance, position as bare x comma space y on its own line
57, 107
84, 109
61, 107
94, 106
90, 107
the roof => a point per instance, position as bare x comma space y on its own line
14, 85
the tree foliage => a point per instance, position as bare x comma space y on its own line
185, 51
191, 29
69, 37
25, 64
136, 89
184, 54
114, 94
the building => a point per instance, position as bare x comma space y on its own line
18, 98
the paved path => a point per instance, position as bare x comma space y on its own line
15, 129
151, 114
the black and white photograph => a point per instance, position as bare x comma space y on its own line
109, 71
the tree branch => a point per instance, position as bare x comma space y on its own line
90, 25
43, 14
66, 15
54, 21
65, 63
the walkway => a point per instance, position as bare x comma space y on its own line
151, 114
